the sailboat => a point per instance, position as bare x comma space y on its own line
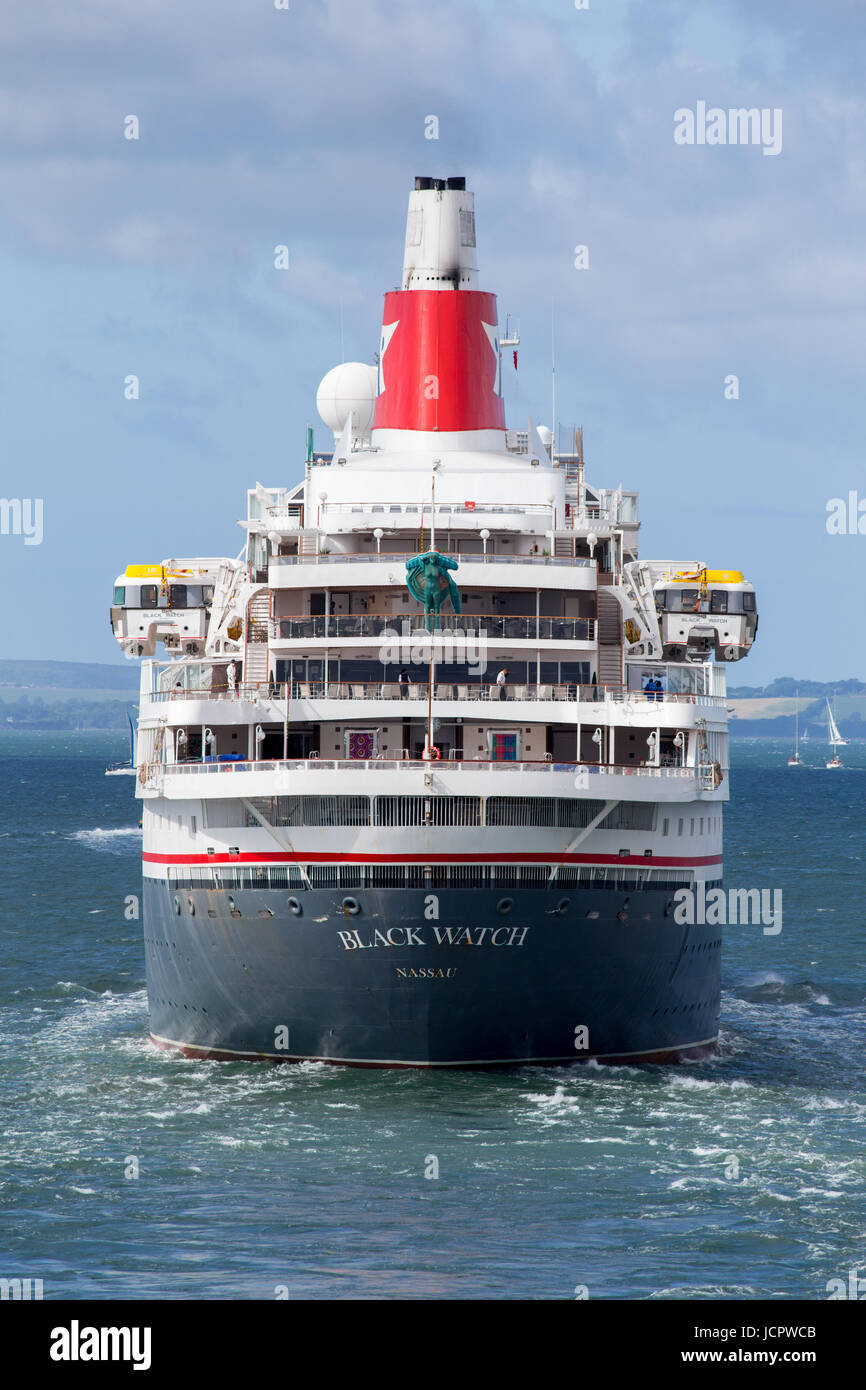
796, 760
835, 738
125, 769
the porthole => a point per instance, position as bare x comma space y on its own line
176, 903
352, 906
295, 906
191, 905
504, 906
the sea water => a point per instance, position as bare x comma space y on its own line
130, 1173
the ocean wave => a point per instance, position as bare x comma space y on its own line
113, 839
763, 977
706, 1291
775, 990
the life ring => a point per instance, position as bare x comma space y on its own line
435, 754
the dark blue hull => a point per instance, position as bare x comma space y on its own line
367, 978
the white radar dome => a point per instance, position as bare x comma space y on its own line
349, 388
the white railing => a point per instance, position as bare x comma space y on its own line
443, 509
443, 692
392, 557
415, 765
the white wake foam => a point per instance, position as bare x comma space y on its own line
97, 838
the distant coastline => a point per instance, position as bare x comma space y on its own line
56, 696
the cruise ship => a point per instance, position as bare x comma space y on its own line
425, 769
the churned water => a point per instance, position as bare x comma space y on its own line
738, 1177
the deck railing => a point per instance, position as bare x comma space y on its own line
391, 557
443, 692
391, 764
522, 627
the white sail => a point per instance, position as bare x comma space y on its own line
835, 737
795, 760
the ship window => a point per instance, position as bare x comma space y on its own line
719, 601
574, 672
690, 599
680, 826
207, 594
177, 596
665, 826
147, 596
120, 593
748, 602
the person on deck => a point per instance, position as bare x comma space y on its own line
500, 681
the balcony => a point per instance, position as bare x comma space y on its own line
443, 692
400, 557
388, 763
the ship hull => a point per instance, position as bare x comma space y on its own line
462, 977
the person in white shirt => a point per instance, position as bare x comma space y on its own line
500, 681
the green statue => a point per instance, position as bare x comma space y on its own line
429, 582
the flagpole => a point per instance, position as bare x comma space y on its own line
431, 667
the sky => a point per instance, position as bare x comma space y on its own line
305, 126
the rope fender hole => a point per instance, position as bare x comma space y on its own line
504, 906
295, 907
351, 906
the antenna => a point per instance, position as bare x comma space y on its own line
553, 380
510, 339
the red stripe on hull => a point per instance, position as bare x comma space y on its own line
286, 857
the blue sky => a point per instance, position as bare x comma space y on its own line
306, 127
